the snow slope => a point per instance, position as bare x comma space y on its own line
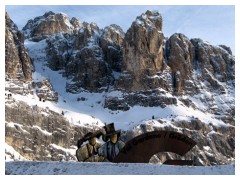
80, 168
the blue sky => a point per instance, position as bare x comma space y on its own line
215, 24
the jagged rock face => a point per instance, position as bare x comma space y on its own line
112, 35
86, 55
143, 44
143, 52
88, 35
82, 59
50, 23
76, 23
111, 42
58, 51
17, 62
228, 49
89, 71
215, 63
180, 54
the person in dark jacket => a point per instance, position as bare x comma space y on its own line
113, 144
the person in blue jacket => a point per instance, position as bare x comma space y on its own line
113, 144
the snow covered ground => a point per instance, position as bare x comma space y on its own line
80, 168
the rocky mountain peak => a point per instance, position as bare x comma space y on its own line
111, 42
9, 23
216, 63
49, 13
150, 19
94, 25
143, 52
113, 34
228, 49
108, 31
18, 65
76, 23
48, 24
87, 35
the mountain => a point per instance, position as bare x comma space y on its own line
84, 76
49, 23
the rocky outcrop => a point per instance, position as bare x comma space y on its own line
50, 23
76, 23
143, 53
81, 58
149, 98
216, 63
18, 64
41, 134
180, 66
111, 41
58, 51
180, 56
88, 36
88, 71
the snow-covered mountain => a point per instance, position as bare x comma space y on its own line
49, 23
84, 76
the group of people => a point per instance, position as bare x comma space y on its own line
93, 151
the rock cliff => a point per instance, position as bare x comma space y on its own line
18, 64
111, 42
143, 59
49, 23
